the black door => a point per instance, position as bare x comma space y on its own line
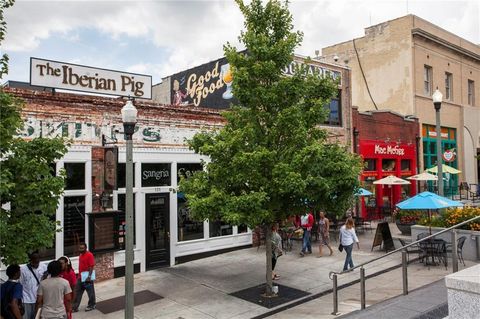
157, 230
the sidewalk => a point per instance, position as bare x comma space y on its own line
201, 288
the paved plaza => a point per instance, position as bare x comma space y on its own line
201, 288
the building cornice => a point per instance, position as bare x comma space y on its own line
429, 36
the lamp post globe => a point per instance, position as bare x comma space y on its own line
129, 119
437, 103
437, 99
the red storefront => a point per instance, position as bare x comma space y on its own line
388, 143
382, 159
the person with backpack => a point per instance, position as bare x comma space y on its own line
31, 275
11, 294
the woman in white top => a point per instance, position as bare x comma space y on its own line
347, 238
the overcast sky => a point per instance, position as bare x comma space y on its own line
163, 37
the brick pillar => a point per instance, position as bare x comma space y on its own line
103, 261
97, 176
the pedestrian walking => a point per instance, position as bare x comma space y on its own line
69, 275
85, 279
31, 275
11, 294
323, 230
347, 238
52, 294
276, 249
306, 224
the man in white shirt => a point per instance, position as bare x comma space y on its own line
31, 275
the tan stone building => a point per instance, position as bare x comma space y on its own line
398, 65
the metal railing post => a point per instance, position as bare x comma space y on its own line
454, 251
335, 295
404, 273
362, 288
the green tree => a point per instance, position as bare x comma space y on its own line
4, 4
271, 156
29, 189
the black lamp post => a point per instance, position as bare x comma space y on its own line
437, 102
129, 119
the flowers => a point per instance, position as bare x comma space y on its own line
454, 216
409, 216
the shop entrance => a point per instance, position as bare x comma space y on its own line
157, 231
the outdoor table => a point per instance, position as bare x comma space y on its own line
433, 248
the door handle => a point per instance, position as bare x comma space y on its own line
168, 234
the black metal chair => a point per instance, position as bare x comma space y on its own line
460, 243
414, 249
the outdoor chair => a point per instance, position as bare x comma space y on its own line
334, 226
422, 235
359, 225
371, 213
460, 243
414, 249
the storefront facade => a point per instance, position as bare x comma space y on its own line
417, 57
388, 145
92, 210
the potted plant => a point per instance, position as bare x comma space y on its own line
406, 218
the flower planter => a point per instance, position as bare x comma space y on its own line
405, 229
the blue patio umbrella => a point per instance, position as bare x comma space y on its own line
363, 192
428, 200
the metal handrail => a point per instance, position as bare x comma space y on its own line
403, 247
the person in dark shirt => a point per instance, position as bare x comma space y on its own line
11, 294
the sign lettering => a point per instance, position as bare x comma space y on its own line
87, 79
389, 150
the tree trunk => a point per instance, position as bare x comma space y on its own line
268, 255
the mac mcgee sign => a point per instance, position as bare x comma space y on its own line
68, 76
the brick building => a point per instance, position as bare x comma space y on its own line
398, 64
209, 85
388, 143
92, 211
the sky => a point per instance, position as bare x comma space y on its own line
160, 38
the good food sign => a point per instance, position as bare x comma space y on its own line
68, 76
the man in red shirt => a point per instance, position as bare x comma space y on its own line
86, 277
307, 224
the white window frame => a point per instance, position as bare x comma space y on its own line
427, 80
448, 86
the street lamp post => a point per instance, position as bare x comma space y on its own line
129, 119
437, 102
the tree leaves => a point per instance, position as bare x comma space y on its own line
271, 155
28, 185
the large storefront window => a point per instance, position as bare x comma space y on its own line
156, 174
388, 165
188, 228
75, 176
122, 218
219, 228
73, 224
48, 253
121, 175
370, 164
242, 229
449, 143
